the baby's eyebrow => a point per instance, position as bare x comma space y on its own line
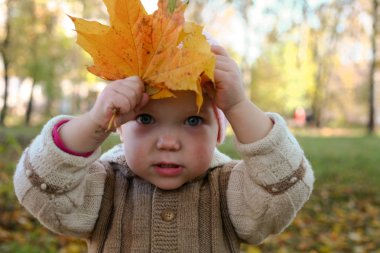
203, 113
195, 112
145, 110
205, 109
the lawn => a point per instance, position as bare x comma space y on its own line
342, 215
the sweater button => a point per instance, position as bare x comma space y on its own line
43, 186
28, 173
274, 189
168, 215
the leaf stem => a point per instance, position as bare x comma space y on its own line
112, 122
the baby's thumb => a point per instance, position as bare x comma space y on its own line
134, 78
144, 100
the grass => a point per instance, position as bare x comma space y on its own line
344, 160
347, 169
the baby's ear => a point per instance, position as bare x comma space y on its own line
120, 132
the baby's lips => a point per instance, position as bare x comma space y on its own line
167, 165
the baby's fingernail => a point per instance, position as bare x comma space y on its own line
134, 78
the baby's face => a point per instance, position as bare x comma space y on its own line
169, 143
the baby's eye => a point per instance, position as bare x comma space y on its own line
194, 121
145, 119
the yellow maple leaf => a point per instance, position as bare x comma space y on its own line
168, 53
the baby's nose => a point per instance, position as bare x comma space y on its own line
168, 142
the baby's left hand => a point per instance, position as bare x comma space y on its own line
230, 97
228, 81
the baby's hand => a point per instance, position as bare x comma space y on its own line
248, 121
121, 97
228, 80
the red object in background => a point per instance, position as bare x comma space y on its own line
300, 116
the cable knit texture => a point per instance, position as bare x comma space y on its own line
100, 199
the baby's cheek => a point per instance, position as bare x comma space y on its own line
132, 154
203, 154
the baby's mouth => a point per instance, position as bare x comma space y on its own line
167, 165
168, 169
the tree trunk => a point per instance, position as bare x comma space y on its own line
29, 110
317, 96
371, 100
3, 50
4, 110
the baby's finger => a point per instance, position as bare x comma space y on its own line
125, 117
132, 80
135, 82
225, 66
143, 101
130, 89
125, 86
120, 102
218, 50
220, 75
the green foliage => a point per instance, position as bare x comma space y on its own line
283, 78
40, 48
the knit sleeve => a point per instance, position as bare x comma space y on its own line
270, 185
62, 191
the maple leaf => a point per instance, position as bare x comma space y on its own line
164, 50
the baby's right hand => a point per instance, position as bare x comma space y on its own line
125, 96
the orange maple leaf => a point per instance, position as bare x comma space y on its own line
166, 52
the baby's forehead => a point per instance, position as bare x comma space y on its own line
178, 111
184, 101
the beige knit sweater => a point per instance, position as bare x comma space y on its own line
99, 199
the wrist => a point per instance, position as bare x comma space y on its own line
237, 107
248, 122
97, 130
93, 121
61, 145
81, 135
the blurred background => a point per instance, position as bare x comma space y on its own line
313, 61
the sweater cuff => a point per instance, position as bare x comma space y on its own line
274, 158
54, 167
59, 142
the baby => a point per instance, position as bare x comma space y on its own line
166, 188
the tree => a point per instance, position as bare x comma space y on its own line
374, 38
283, 76
21, 48
4, 51
324, 42
326, 24
243, 6
36, 22
45, 54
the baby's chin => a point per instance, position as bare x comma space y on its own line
167, 186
